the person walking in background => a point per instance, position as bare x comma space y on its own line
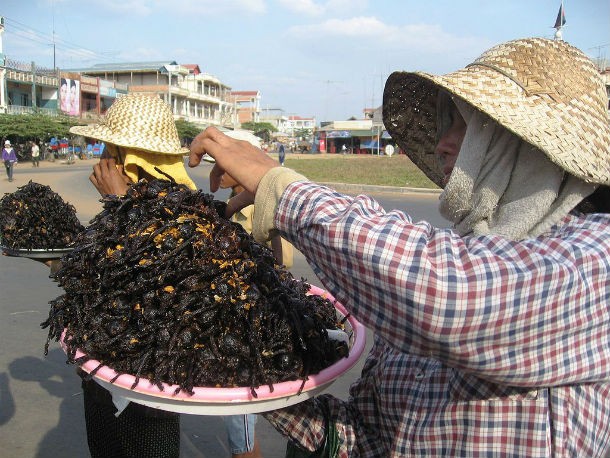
281, 154
492, 338
9, 158
35, 154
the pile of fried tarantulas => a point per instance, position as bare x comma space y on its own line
162, 287
36, 217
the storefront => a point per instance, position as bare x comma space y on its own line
353, 138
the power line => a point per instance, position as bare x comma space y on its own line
24, 32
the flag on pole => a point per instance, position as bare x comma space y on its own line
561, 18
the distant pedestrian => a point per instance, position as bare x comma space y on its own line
282, 154
35, 155
10, 159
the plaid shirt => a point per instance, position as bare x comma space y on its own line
484, 346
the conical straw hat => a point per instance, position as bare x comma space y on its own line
137, 121
546, 92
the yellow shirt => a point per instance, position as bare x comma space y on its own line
244, 218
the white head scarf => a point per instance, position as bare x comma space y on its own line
503, 185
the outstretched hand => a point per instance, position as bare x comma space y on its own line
240, 159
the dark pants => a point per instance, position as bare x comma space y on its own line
9, 169
138, 432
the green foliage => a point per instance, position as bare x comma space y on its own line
257, 127
303, 134
360, 169
187, 130
35, 126
261, 129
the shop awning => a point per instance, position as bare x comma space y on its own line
338, 134
370, 144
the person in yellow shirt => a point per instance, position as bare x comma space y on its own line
141, 142
141, 139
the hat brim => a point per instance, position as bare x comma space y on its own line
135, 141
579, 144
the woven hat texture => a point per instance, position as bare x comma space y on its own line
137, 121
546, 92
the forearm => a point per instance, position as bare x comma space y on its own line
466, 301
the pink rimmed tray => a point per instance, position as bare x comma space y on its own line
229, 401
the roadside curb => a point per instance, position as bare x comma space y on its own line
364, 188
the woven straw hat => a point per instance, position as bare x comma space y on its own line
137, 121
546, 92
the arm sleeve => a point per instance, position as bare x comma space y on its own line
521, 313
269, 192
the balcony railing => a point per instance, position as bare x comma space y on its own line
18, 109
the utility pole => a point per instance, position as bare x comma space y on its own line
53, 11
601, 62
326, 97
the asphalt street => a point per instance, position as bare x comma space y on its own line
41, 412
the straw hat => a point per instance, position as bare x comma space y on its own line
137, 121
546, 92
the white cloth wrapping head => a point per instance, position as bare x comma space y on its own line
503, 185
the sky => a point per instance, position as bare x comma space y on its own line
309, 58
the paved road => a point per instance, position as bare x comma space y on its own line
41, 411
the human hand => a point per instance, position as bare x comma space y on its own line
109, 178
240, 159
237, 202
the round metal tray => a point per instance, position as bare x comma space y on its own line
48, 253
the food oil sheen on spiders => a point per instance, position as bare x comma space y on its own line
161, 286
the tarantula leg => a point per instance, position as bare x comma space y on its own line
144, 360
97, 368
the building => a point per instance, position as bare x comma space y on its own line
247, 105
293, 124
195, 96
27, 87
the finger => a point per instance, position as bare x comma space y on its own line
96, 184
96, 170
215, 177
197, 150
209, 141
241, 200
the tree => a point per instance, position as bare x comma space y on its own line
187, 131
303, 134
260, 129
20, 128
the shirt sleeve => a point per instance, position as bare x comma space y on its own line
524, 313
